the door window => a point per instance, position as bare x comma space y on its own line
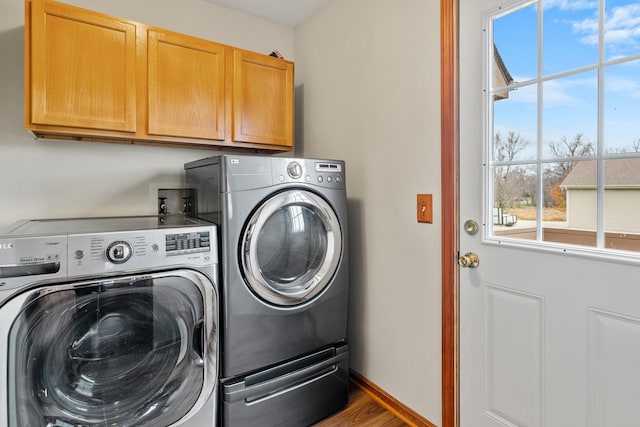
122, 352
563, 151
291, 247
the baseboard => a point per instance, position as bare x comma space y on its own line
389, 402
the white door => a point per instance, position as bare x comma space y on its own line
549, 331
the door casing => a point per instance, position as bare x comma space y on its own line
449, 29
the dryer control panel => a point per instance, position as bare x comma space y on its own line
323, 173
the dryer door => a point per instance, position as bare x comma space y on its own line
291, 247
134, 351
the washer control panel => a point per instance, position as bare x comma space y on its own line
117, 251
30, 258
187, 243
24, 258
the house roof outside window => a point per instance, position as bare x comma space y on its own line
619, 173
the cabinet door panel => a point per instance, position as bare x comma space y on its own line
262, 99
186, 86
82, 69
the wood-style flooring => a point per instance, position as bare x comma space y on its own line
362, 411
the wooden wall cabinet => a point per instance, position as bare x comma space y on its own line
186, 86
262, 99
90, 76
82, 69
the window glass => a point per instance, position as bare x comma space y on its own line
570, 116
621, 34
622, 108
622, 203
515, 36
563, 145
570, 35
515, 125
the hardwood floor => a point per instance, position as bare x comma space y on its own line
362, 410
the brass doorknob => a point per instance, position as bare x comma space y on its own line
469, 260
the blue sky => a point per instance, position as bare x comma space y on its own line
571, 41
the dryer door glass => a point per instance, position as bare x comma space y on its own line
126, 352
291, 247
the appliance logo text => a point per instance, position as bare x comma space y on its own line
6, 245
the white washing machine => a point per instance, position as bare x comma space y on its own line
284, 285
109, 322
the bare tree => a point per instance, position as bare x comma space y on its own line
507, 149
564, 149
633, 148
508, 181
568, 149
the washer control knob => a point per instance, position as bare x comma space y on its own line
79, 254
294, 170
119, 252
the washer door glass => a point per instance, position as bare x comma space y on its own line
126, 352
291, 247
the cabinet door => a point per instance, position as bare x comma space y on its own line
82, 68
262, 99
186, 86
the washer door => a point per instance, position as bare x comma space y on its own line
291, 247
134, 351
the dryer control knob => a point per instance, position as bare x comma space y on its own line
294, 170
119, 252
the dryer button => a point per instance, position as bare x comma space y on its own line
320, 179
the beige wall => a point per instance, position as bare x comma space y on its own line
60, 179
368, 92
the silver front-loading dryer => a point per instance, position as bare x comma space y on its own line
109, 322
284, 284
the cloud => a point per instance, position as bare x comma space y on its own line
571, 4
623, 86
570, 91
622, 27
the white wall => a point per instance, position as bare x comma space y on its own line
368, 92
61, 179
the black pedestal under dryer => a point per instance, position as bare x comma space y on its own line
109, 322
284, 285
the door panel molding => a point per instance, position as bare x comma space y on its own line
514, 328
614, 340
